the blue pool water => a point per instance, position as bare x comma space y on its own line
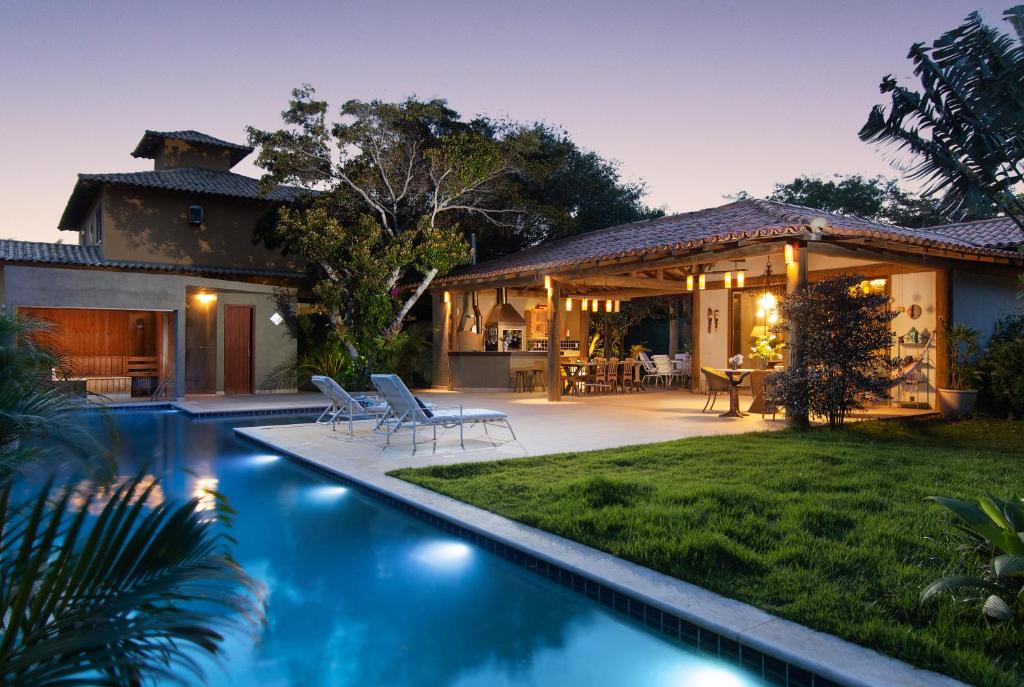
363, 594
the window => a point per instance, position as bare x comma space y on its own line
97, 226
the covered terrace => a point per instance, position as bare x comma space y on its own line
526, 310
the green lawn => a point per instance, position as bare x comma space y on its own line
827, 528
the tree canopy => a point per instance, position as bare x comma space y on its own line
875, 198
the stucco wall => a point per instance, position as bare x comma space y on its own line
714, 345
83, 288
152, 226
981, 299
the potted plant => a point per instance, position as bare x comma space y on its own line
767, 349
958, 399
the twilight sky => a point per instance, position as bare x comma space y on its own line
699, 99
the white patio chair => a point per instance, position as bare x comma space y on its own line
663, 370
345, 403
647, 366
682, 368
407, 410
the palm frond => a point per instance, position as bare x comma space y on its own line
117, 598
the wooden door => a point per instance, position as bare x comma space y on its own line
238, 353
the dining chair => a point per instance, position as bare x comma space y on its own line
717, 382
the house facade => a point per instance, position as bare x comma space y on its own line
725, 269
167, 292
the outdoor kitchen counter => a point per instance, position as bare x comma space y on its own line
491, 369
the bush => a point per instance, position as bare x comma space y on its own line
840, 361
1001, 392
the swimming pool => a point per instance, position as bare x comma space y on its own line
364, 594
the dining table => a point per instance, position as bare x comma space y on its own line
577, 372
736, 377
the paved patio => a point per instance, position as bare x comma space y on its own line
574, 424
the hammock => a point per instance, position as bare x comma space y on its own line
911, 367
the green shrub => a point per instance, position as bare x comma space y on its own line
1002, 370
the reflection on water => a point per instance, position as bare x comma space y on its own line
362, 594
204, 489
101, 496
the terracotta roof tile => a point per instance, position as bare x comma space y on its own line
744, 219
187, 179
32, 252
998, 232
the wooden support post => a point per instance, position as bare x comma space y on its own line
442, 337
943, 318
695, 340
554, 343
796, 279
673, 328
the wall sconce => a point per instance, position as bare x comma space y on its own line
206, 297
728, 280
790, 253
741, 279
568, 305
689, 282
608, 306
447, 297
702, 282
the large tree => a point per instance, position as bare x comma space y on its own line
400, 186
962, 133
392, 181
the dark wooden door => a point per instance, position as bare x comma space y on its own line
238, 353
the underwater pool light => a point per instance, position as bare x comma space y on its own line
443, 555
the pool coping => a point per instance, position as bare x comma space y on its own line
820, 659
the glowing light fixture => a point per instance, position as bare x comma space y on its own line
568, 305
689, 282
447, 297
584, 304
276, 319
547, 285
741, 279
702, 282
616, 306
608, 305
443, 555
728, 280
790, 253
205, 297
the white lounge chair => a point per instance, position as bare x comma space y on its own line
407, 410
344, 403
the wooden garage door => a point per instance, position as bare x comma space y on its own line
238, 353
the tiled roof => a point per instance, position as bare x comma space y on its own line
998, 232
32, 252
187, 179
744, 219
151, 140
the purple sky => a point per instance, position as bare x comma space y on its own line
699, 99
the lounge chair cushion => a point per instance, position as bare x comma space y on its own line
468, 415
424, 407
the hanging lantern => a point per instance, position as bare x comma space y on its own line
689, 282
790, 253
568, 305
447, 297
728, 280
583, 304
702, 282
608, 306
741, 278
616, 306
